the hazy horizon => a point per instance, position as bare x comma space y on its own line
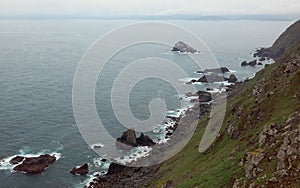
154, 9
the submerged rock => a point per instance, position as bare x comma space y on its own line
34, 165
215, 70
250, 63
183, 47
244, 63
82, 170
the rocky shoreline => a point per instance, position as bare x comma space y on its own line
125, 176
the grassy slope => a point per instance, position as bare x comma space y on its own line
220, 165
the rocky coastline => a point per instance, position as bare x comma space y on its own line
125, 176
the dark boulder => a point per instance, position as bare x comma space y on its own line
183, 47
252, 63
244, 63
145, 140
232, 79
35, 165
82, 170
129, 140
204, 96
191, 82
115, 168
262, 59
128, 137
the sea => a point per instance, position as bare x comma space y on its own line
38, 62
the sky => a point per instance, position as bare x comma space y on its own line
119, 8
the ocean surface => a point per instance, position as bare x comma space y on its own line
38, 60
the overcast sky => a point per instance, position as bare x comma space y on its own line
111, 8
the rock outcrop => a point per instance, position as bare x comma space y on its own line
123, 176
82, 170
288, 154
144, 140
128, 137
129, 140
214, 77
232, 79
183, 47
285, 42
33, 165
252, 162
250, 63
233, 132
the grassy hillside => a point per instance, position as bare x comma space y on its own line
265, 114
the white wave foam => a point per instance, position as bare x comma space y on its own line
225, 83
181, 53
138, 152
86, 182
102, 164
6, 165
97, 146
215, 90
188, 79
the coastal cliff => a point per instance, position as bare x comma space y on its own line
259, 144
286, 41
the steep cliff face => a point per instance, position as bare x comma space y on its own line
286, 40
264, 116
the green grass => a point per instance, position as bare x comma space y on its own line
220, 164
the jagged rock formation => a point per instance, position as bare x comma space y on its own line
82, 170
123, 176
250, 63
183, 47
33, 165
129, 140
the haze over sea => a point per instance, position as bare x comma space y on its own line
38, 60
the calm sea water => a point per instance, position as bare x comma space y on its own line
38, 60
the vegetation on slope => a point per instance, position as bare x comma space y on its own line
264, 116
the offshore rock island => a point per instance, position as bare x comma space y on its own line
258, 145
